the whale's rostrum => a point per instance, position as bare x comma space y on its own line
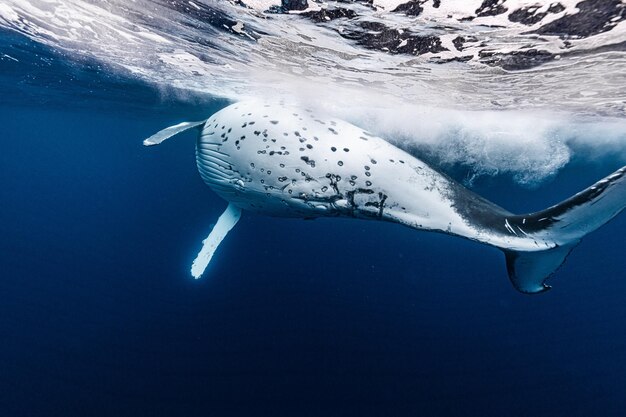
286, 161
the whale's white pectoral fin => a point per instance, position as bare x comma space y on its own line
168, 132
224, 224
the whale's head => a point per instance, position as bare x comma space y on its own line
277, 160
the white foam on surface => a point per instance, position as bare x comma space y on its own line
527, 123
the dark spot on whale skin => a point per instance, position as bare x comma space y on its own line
334, 181
244, 125
309, 146
346, 150
230, 129
308, 161
332, 148
274, 122
251, 123
368, 183
340, 163
367, 173
257, 132
296, 133
334, 132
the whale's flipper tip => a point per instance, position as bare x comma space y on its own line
224, 224
169, 132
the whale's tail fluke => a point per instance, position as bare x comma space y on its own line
564, 224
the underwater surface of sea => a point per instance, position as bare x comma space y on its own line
331, 317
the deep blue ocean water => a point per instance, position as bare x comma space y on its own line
99, 316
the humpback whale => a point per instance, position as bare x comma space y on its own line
277, 160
